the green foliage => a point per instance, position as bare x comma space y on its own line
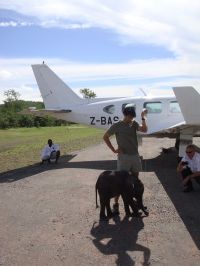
11, 103
4, 122
26, 121
87, 93
11, 95
27, 104
11, 118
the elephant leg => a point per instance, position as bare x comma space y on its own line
109, 212
126, 205
134, 207
139, 198
141, 205
103, 216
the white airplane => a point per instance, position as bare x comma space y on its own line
167, 116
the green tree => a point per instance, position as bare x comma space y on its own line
26, 121
12, 102
4, 121
11, 95
87, 93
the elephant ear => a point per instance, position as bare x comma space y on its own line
133, 178
123, 174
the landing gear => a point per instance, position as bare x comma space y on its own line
177, 142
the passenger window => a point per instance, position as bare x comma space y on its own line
153, 107
110, 109
174, 107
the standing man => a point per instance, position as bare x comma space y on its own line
126, 136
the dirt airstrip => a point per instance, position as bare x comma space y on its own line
48, 214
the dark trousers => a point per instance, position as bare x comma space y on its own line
186, 172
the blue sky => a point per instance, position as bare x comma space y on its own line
112, 47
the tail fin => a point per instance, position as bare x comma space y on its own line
55, 93
189, 101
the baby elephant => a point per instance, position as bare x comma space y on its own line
113, 183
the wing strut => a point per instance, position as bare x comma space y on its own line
186, 138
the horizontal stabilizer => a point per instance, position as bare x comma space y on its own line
189, 102
43, 112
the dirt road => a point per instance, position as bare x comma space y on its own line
48, 214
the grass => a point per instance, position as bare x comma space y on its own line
22, 146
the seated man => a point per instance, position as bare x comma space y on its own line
51, 151
189, 167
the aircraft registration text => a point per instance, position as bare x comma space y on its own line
103, 120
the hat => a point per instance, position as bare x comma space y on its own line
129, 109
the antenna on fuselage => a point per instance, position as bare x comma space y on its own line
142, 90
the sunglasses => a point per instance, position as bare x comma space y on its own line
188, 152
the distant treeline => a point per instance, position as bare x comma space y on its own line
10, 116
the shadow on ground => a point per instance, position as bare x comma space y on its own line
164, 166
24, 172
98, 165
186, 204
119, 238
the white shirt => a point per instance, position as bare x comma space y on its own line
48, 150
193, 163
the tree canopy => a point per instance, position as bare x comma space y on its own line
87, 93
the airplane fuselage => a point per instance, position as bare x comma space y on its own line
169, 116
163, 113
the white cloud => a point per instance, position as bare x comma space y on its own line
171, 24
18, 75
174, 25
14, 24
4, 74
141, 69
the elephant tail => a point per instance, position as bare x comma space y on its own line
97, 206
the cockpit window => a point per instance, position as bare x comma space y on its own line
174, 107
110, 109
153, 107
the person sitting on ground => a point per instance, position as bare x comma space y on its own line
51, 151
189, 167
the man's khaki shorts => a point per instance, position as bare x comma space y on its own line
129, 163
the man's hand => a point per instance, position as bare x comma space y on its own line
180, 167
186, 179
106, 138
116, 151
143, 127
144, 113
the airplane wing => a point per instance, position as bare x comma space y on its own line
172, 129
194, 128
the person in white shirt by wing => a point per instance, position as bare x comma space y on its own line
189, 167
50, 152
